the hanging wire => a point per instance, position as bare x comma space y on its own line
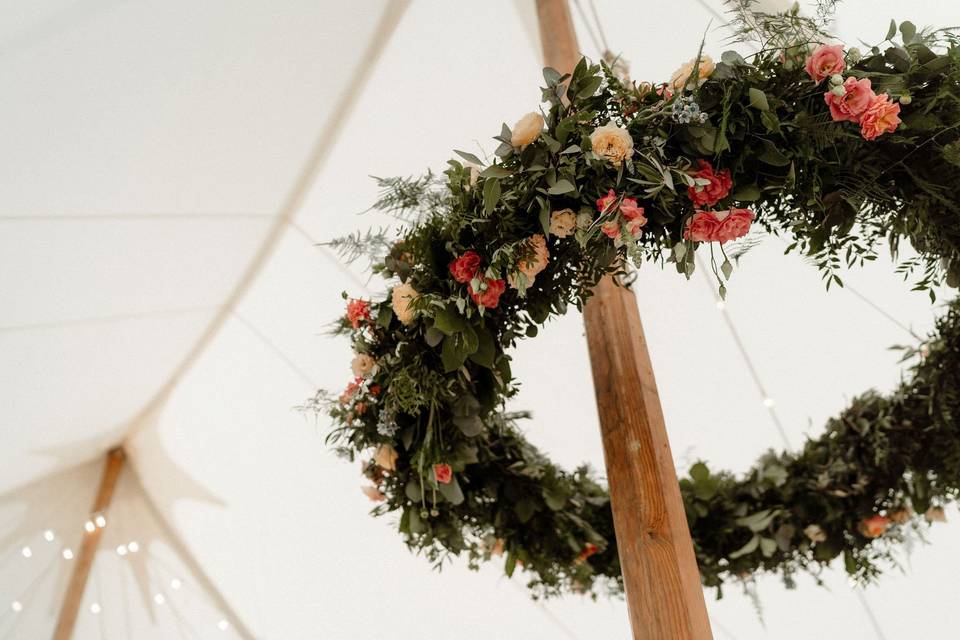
747, 360
593, 36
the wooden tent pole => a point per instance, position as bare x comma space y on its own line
660, 574
88, 548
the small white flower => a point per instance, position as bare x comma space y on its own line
839, 90
836, 79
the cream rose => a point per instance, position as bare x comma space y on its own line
815, 533
386, 457
362, 365
401, 297
612, 143
563, 223
681, 77
527, 129
474, 173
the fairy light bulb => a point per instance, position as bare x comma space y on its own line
16, 606
27, 552
175, 584
133, 546
223, 625
100, 521
159, 599
48, 535
768, 403
67, 554
122, 550
95, 608
89, 527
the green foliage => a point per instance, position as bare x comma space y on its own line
441, 383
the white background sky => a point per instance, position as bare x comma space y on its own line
149, 146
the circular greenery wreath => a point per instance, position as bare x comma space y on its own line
834, 149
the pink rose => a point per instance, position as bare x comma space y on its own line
488, 298
734, 224
853, 103
825, 61
630, 210
606, 201
717, 188
611, 229
464, 268
873, 527
443, 473
702, 227
882, 116
635, 226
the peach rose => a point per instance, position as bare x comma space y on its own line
857, 97
611, 229
527, 129
882, 116
900, 516
825, 61
612, 143
400, 298
533, 261
374, 494
935, 514
681, 77
815, 533
873, 527
386, 457
563, 223
362, 365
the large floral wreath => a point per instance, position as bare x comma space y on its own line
835, 149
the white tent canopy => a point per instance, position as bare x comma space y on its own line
168, 170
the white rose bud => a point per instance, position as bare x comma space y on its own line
854, 55
836, 79
906, 99
839, 91
527, 129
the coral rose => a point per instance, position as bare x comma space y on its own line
612, 143
527, 129
873, 527
362, 365
882, 116
858, 95
464, 269
935, 514
497, 548
386, 457
717, 188
373, 493
401, 298
825, 61
604, 203
611, 229
702, 227
357, 310
589, 549
563, 223
443, 473
681, 78
489, 294
734, 223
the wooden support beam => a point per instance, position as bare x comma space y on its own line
88, 548
660, 575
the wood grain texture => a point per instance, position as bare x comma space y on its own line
112, 467
660, 574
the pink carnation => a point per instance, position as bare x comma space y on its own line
489, 297
825, 61
851, 105
630, 210
717, 188
357, 310
606, 201
611, 229
882, 116
873, 527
